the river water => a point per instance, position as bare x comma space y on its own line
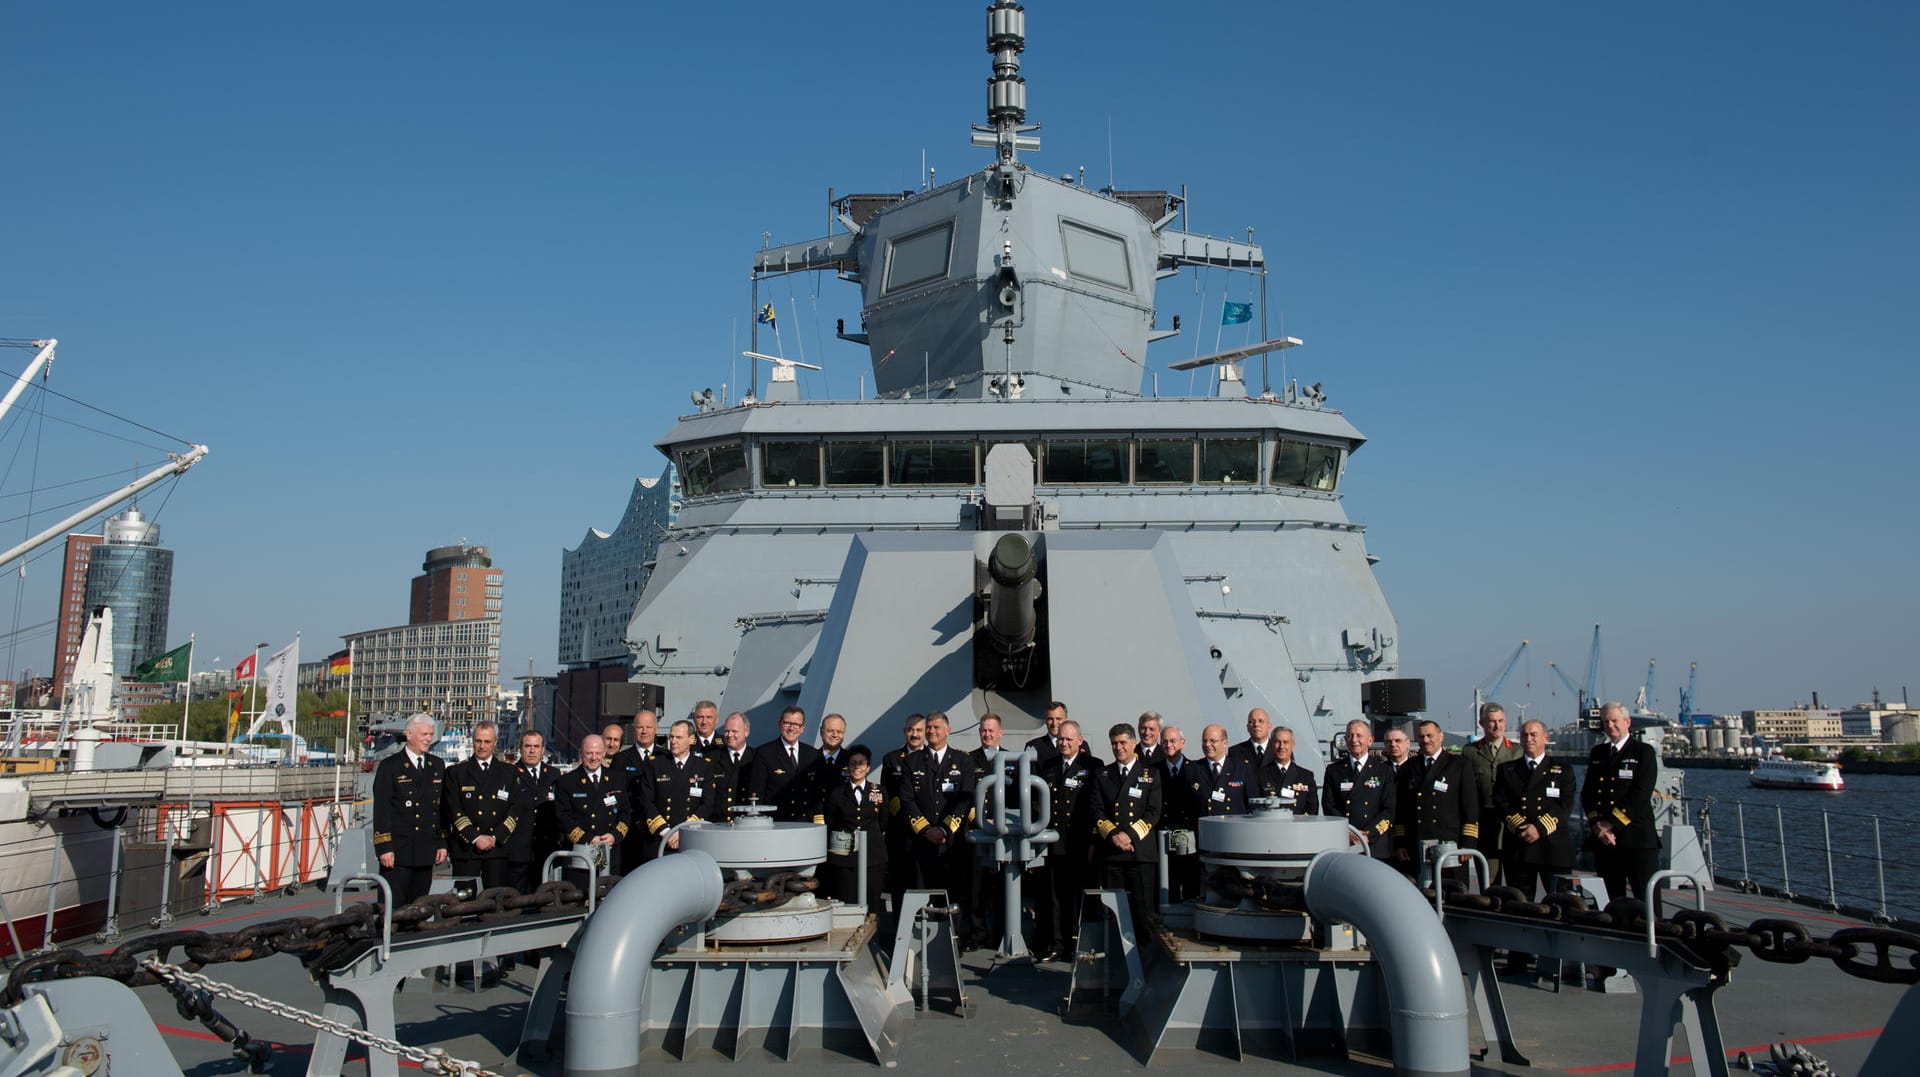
1787, 832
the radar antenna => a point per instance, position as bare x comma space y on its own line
782, 368
1007, 129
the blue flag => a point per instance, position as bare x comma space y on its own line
766, 315
1236, 313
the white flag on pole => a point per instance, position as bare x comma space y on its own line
280, 675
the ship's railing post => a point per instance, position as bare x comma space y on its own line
53, 890
110, 930
1746, 876
1780, 829
1706, 835
1826, 837
1880, 870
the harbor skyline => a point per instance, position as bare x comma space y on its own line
1591, 285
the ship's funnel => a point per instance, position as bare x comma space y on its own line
1012, 620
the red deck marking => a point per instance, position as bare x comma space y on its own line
1756, 1050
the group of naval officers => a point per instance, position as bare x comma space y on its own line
1513, 801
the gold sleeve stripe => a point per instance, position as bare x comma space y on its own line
656, 823
1516, 821
953, 824
1622, 816
1470, 830
1549, 824
622, 828
817, 820
1382, 827
1140, 828
510, 823
383, 839
917, 824
1104, 827
575, 835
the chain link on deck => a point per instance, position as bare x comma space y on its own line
1880, 954
432, 1060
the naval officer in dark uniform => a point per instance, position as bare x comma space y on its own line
1445, 805
1059, 885
853, 805
1361, 788
1127, 796
901, 868
1618, 801
937, 797
592, 807
1533, 802
1533, 799
483, 810
781, 767
407, 836
538, 835
684, 788
1285, 780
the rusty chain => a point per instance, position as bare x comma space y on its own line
1884, 955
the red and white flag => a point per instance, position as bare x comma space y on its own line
244, 671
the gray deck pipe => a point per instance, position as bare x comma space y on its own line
1425, 991
609, 981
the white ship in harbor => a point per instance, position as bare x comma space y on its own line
1778, 772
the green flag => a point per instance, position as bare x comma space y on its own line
171, 666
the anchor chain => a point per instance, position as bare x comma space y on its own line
1881, 954
432, 1060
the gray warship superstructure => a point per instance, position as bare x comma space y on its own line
1185, 555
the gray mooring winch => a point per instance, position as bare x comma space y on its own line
755, 848
1272, 845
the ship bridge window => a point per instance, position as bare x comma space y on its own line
1302, 463
1230, 460
1093, 461
1167, 460
932, 463
789, 463
1096, 256
713, 469
856, 463
920, 257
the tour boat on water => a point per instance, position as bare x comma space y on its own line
1781, 773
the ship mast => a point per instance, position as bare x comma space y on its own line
1007, 130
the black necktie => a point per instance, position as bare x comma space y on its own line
736, 759
1531, 764
1429, 762
1216, 773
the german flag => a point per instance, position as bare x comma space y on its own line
340, 663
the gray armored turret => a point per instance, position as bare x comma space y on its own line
1015, 519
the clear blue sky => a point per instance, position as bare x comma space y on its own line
1622, 295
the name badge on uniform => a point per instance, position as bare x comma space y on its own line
694, 791
1626, 772
1553, 791
503, 795
946, 786
1134, 792
1219, 795
1346, 787
609, 800
1072, 783
549, 794
1440, 787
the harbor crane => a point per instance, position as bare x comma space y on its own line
1482, 692
1686, 696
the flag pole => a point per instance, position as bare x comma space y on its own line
186, 705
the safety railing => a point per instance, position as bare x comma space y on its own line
1832, 859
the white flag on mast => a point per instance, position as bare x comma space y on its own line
281, 676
